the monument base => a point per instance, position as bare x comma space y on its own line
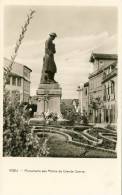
48, 98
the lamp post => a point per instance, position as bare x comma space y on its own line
80, 90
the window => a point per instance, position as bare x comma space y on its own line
26, 73
18, 81
104, 75
101, 62
13, 80
26, 86
90, 99
108, 90
112, 87
8, 81
112, 67
108, 71
104, 97
26, 97
112, 113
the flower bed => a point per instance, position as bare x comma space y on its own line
108, 144
78, 137
80, 128
95, 132
108, 137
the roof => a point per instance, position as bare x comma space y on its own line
5, 65
103, 56
95, 73
86, 84
70, 101
101, 69
114, 64
27, 68
110, 75
67, 101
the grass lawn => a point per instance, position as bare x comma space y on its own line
99, 154
59, 147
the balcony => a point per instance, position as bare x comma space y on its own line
98, 71
107, 77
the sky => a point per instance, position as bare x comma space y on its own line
81, 31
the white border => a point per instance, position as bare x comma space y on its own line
108, 170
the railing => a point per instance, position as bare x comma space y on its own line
107, 76
96, 71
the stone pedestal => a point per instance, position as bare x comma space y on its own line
48, 98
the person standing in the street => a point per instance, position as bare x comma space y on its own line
30, 108
49, 66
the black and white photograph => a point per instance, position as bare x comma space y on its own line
61, 97
60, 81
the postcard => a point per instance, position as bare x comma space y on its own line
61, 97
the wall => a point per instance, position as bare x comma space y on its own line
21, 72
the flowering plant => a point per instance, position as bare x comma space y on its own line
17, 137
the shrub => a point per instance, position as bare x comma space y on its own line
111, 127
17, 137
84, 119
82, 128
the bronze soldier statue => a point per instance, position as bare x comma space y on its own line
49, 67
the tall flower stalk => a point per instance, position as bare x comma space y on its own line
17, 139
7, 70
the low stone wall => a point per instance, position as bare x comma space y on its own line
99, 141
91, 146
69, 138
109, 139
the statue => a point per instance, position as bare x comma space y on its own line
49, 67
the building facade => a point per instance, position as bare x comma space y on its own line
110, 93
19, 81
100, 93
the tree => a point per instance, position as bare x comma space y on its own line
96, 104
84, 119
68, 112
